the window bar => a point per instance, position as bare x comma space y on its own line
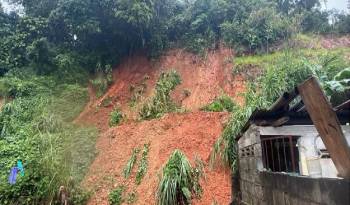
273, 158
292, 152
278, 155
267, 156
284, 152
263, 153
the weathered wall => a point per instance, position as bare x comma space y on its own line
250, 162
283, 189
266, 188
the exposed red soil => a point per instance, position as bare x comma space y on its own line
194, 132
330, 42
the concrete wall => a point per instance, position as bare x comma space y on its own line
260, 187
283, 189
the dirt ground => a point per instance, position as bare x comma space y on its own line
194, 131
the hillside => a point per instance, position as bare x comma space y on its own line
111, 101
193, 131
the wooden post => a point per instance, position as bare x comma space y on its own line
327, 124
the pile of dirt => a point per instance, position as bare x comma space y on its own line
194, 132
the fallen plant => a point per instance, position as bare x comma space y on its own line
161, 103
130, 164
143, 164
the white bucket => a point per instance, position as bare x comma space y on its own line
314, 167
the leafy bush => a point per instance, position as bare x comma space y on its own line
116, 117
259, 31
116, 196
161, 103
179, 181
15, 87
143, 164
221, 104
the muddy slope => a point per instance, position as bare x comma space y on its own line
194, 131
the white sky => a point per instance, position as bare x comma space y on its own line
341, 5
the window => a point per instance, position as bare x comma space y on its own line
280, 153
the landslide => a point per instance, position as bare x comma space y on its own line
194, 131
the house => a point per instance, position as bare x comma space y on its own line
287, 156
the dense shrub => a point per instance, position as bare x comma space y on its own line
259, 31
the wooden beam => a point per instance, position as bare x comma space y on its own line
344, 105
327, 124
284, 100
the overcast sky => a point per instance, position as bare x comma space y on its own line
331, 4
337, 4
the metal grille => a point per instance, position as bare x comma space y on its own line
280, 153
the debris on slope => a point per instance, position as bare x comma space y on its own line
194, 132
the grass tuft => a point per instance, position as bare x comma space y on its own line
116, 117
179, 181
116, 196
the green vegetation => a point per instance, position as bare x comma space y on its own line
48, 53
283, 74
131, 162
161, 103
223, 103
53, 37
116, 117
116, 196
37, 128
142, 165
103, 80
131, 197
137, 92
179, 181
106, 102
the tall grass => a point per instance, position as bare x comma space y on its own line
280, 75
178, 182
36, 127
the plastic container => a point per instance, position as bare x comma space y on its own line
314, 167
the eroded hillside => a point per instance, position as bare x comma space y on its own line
192, 131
